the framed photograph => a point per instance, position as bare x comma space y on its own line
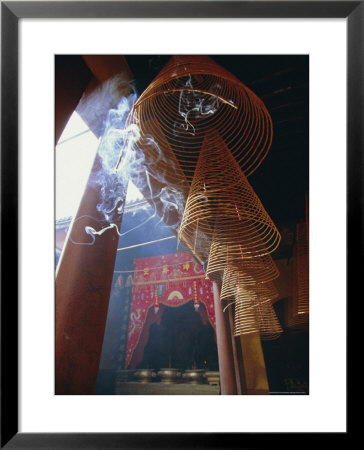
83, 374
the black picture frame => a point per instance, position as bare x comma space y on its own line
11, 12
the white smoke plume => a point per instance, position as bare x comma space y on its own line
121, 159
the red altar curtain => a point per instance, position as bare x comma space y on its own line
168, 279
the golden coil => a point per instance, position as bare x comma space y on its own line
223, 207
300, 256
249, 274
165, 171
193, 96
245, 317
269, 326
254, 311
298, 308
235, 254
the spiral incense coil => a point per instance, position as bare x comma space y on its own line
166, 171
250, 274
254, 311
245, 317
301, 293
269, 325
193, 96
224, 255
264, 292
224, 207
198, 244
233, 280
298, 306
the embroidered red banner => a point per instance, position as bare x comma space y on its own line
168, 279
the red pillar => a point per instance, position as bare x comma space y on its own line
83, 285
235, 353
85, 272
224, 350
255, 374
72, 78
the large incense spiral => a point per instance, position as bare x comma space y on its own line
254, 312
206, 132
252, 298
300, 257
192, 96
258, 293
269, 326
298, 307
249, 274
223, 206
225, 256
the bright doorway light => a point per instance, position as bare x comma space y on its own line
133, 194
75, 154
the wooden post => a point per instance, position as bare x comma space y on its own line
85, 271
225, 355
254, 366
235, 353
72, 78
83, 285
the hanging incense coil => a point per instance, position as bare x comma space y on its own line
298, 306
269, 325
193, 96
245, 317
165, 171
254, 311
224, 255
300, 258
264, 292
224, 207
251, 273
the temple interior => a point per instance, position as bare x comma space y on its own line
183, 268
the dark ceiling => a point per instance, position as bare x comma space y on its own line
282, 82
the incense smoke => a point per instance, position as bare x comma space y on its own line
120, 159
195, 104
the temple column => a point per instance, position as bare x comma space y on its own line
225, 354
235, 354
255, 375
83, 285
85, 270
72, 78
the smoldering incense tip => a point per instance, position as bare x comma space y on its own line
116, 168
